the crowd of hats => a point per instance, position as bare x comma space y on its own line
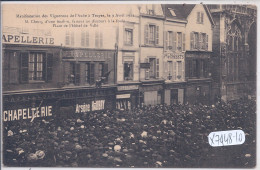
152, 136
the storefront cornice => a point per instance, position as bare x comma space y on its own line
87, 49
7, 46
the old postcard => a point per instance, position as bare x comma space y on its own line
129, 85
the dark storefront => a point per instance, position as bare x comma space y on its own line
174, 93
151, 92
127, 96
198, 77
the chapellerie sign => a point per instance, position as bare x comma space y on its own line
27, 113
26, 39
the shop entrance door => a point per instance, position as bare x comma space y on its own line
174, 96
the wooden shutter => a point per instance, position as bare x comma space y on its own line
105, 70
49, 64
24, 58
201, 19
146, 70
77, 74
72, 38
87, 39
191, 40
101, 39
157, 68
207, 40
146, 34
200, 45
92, 73
174, 70
174, 45
96, 40
83, 39
14, 67
183, 42
157, 35
165, 40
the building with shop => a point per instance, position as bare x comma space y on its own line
31, 59
199, 29
174, 55
234, 51
89, 65
151, 21
128, 60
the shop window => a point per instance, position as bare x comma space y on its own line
35, 67
128, 70
87, 73
99, 39
128, 36
151, 34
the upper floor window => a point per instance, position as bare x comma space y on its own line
151, 34
153, 72
35, 66
128, 36
175, 41
198, 41
98, 39
200, 17
85, 39
69, 39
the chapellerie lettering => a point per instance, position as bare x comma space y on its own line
27, 39
27, 113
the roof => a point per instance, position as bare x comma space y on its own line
182, 11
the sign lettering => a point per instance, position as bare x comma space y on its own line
94, 106
27, 113
27, 39
131, 87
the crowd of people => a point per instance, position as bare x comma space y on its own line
151, 136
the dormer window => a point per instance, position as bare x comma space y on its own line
172, 12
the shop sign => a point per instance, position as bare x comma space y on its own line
26, 39
27, 113
93, 106
87, 54
130, 87
174, 56
123, 96
145, 65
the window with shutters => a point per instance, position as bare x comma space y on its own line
198, 41
69, 38
35, 67
128, 36
99, 39
151, 34
85, 39
204, 41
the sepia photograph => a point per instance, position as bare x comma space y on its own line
128, 85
